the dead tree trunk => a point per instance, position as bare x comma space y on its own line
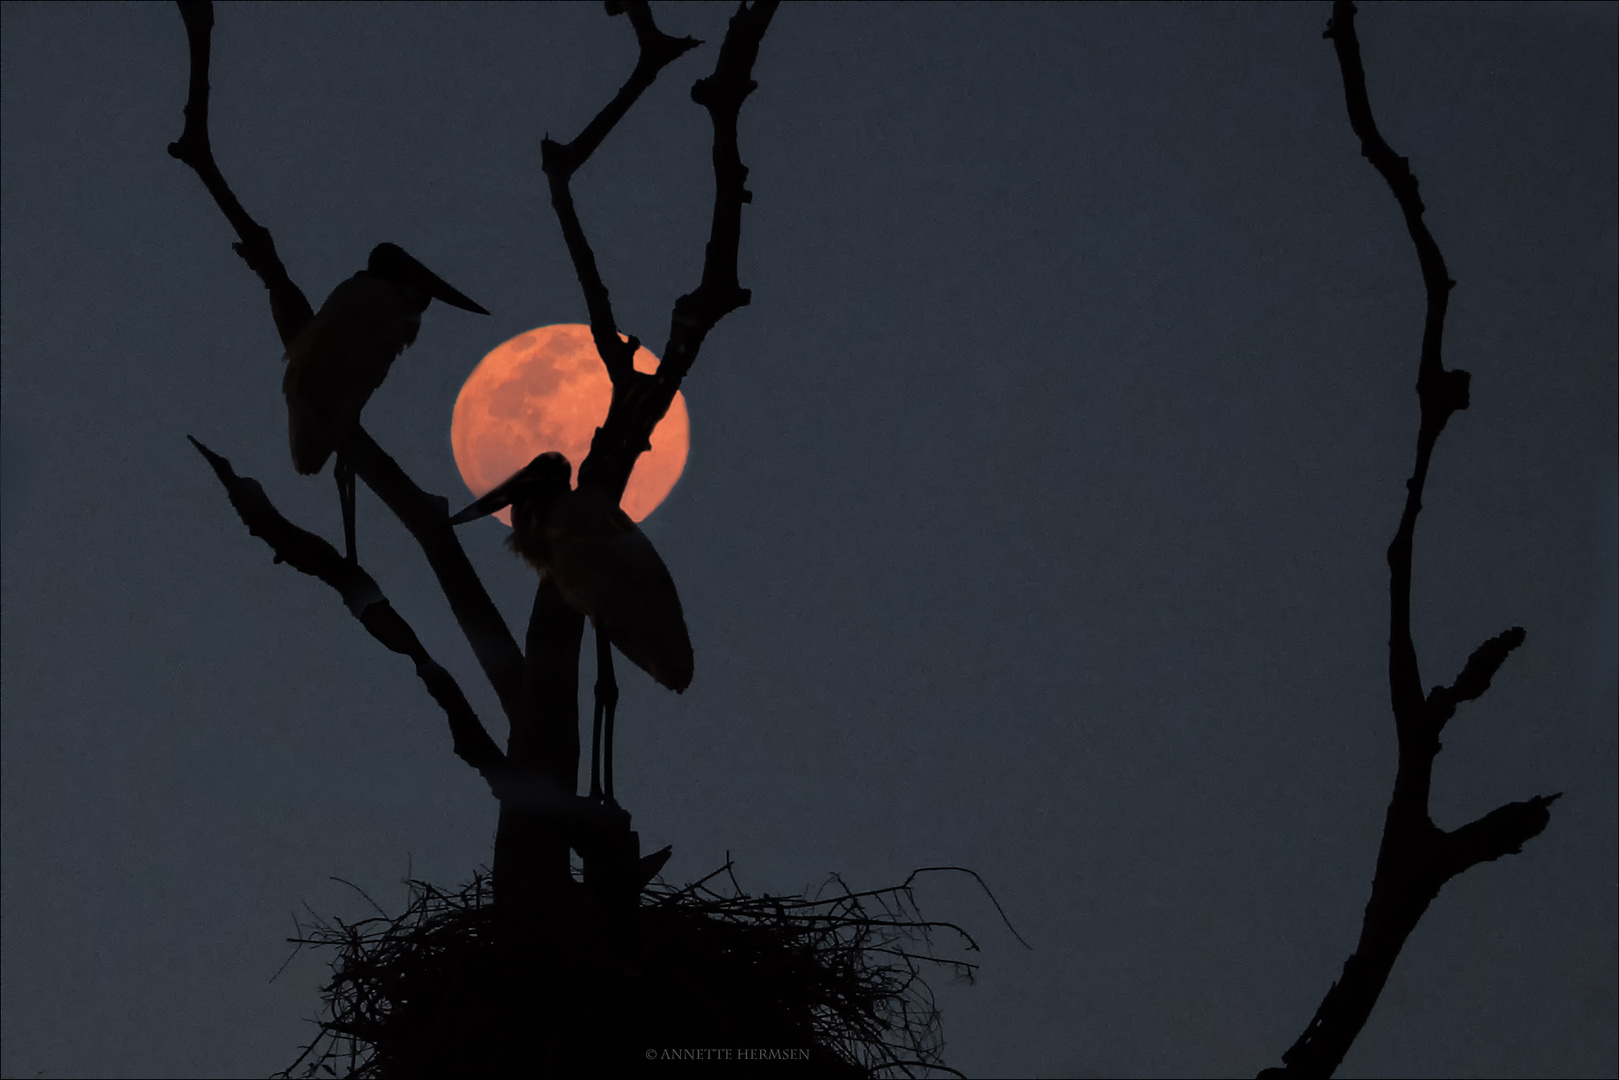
546, 740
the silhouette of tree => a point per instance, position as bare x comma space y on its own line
1417, 857
535, 777
452, 938
532, 970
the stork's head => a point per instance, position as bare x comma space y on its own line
529, 492
391, 263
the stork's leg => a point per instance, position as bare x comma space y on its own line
606, 702
343, 472
596, 741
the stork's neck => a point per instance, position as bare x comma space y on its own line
530, 538
413, 302
415, 299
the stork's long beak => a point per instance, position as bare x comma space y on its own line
495, 499
547, 471
394, 262
439, 289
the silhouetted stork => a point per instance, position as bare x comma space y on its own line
338, 360
606, 569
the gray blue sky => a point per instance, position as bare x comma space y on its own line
1034, 519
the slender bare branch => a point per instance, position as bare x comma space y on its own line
288, 305
1484, 663
640, 401
1503, 831
1472, 682
310, 554
722, 94
427, 517
981, 884
1440, 392
658, 50
1416, 858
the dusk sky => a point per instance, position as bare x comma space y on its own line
1035, 518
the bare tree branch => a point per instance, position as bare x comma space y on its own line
548, 741
1472, 682
1503, 831
722, 94
1484, 663
310, 554
640, 401
1440, 392
427, 517
658, 50
288, 305
1416, 857
536, 779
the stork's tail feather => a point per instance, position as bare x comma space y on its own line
667, 657
675, 676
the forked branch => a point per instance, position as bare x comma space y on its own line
1416, 857
722, 94
288, 305
425, 515
658, 51
640, 401
310, 554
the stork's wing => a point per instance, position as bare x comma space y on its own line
338, 361
607, 568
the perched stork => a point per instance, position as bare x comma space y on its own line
339, 359
606, 569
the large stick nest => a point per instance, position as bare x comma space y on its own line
688, 981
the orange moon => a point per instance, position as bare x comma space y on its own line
548, 390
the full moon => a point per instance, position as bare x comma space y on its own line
548, 390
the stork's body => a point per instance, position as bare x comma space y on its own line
605, 568
337, 362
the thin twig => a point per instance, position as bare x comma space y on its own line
364, 896
974, 875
